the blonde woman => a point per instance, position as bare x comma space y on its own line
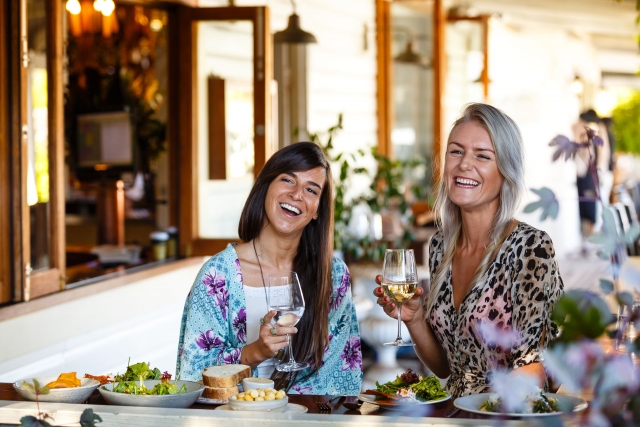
491, 276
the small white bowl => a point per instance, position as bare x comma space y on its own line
255, 383
59, 395
278, 405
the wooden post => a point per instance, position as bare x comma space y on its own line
439, 72
110, 213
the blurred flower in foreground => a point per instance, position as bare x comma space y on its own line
515, 391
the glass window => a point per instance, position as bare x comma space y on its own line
225, 135
38, 147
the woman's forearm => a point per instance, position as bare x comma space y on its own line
428, 349
534, 369
251, 355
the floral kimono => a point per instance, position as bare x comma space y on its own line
214, 325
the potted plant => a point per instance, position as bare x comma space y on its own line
393, 186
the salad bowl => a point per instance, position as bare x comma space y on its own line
58, 395
180, 400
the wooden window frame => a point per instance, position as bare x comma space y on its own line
483, 20
385, 79
17, 282
6, 285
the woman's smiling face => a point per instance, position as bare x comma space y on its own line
293, 199
471, 173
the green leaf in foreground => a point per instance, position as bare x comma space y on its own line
89, 419
606, 286
31, 421
548, 204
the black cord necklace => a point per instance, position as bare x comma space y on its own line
266, 298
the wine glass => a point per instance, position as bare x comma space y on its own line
285, 297
399, 282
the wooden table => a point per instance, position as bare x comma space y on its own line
435, 414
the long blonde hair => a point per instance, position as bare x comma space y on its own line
507, 143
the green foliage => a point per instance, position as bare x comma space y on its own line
386, 192
89, 419
548, 204
626, 125
581, 314
35, 387
31, 421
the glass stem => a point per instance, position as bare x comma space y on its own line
291, 361
399, 339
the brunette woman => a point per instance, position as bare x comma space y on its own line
286, 225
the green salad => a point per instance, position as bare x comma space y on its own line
541, 404
126, 383
413, 386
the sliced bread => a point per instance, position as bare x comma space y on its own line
222, 376
219, 393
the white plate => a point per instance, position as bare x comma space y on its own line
473, 402
291, 408
370, 399
182, 400
207, 401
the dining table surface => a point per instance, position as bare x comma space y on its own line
443, 409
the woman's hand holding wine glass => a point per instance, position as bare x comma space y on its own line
286, 299
411, 309
399, 284
268, 343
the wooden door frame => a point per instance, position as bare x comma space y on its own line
190, 241
17, 90
6, 284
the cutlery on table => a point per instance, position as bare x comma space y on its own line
354, 406
327, 406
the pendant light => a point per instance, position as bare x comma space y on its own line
294, 33
411, 56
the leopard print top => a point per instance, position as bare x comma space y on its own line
514, 302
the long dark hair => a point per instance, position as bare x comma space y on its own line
315, 251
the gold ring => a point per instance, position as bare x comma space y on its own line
262, 321
274, 332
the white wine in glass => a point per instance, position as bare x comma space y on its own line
399, 283
285, 297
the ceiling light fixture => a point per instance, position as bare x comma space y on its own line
411, 56
294, 33
576, 85
73, 7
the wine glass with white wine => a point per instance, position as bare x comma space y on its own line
285, 297
399, 283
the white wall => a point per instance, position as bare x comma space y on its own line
97, 334
531, 69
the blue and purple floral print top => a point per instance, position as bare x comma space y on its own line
214, 325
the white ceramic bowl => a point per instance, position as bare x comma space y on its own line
278, 405
255, 383
59, 395
182, 400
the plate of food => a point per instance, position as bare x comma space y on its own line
66, 388
408, 388
142, 386
538, 405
